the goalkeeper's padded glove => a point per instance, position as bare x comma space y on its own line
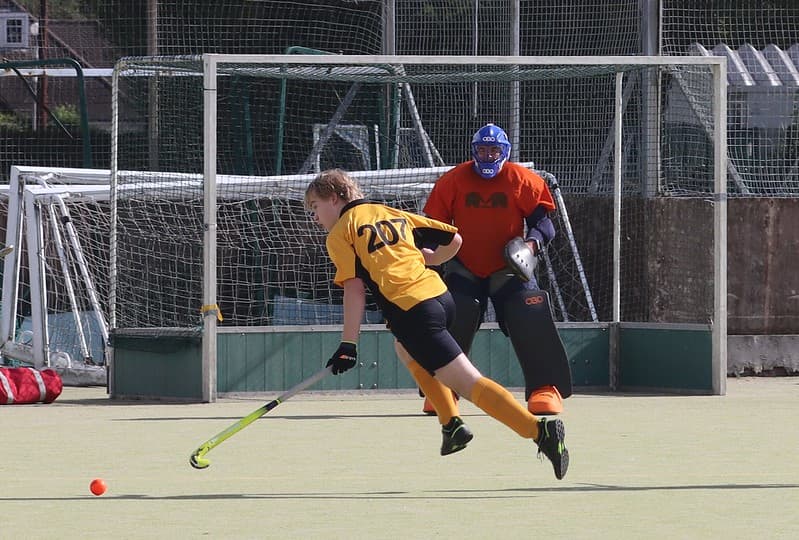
344, 358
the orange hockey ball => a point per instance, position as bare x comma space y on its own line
98, 486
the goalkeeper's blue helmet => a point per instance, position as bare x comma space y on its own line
487, 163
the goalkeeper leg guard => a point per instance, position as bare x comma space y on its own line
527, 316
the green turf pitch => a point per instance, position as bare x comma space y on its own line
366, 465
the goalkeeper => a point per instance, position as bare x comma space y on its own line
490, 199
375, 246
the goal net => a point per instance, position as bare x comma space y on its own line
211, 156
55, 311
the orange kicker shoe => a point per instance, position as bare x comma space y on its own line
428, 408
545, 400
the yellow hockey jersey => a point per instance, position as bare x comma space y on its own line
381, 245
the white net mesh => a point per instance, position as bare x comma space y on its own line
389, 124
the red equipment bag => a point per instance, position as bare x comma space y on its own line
27, 385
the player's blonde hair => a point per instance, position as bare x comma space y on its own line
333, 181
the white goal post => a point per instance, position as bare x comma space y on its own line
669, 90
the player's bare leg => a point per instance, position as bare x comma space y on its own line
455, 433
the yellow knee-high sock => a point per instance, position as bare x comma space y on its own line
438, 394
499, 403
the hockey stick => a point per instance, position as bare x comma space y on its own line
198, 459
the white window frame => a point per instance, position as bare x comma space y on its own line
24, 21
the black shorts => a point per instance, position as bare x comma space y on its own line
423, 331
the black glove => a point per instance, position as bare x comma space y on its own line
344, 357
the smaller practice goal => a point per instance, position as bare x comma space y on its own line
55, 286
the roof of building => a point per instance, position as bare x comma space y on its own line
750, 67
82, 40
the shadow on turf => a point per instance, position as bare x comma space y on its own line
454, 494
274, 416
105, 400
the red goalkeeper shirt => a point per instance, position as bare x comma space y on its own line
487, 213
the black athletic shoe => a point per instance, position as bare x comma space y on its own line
551, 435
456, 435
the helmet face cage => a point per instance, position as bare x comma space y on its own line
490, 135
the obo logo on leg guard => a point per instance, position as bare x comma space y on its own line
534, 300
536, 342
